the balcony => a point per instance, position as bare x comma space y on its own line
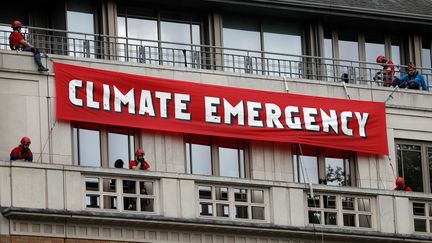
92, 202
60, 42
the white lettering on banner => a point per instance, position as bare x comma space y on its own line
73, 85
211, 105
164, 97
121, 99
90, 100
258, 114
181, 101
146, 104
232, 112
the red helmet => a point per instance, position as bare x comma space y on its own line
16, 24
139, 152
380, 59
25, 141
400, 182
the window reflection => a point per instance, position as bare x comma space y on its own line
337, 171
348, 50
374, 46
199, 159
80, 44
306, 168
409, 165
87, 144
230, 161
118, 148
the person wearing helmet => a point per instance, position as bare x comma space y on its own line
139, 163
388, 70
22, 151
412, 80
18, 42
400, 185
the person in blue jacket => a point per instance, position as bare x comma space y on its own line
412, 80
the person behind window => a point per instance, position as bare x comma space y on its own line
412, 80
22, 151
387, 72
18, 42
400, 185
139, 163
118, 163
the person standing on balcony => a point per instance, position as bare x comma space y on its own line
22, 151
412, 80
400, 185
18, 42
139, 163
388, 70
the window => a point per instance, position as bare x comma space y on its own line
427, 60
80, 19
322, 165
87, 145
119, 194
340, 210
215, 156
232, 202
422, 216
146, 27
415, 164
277, 36
374, 46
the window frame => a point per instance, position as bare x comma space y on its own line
215, 143
426, 175
321, 165
103, 130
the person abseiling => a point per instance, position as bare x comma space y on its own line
400, 185
139, 163
22, 151
412, 80
18, 42
388, 70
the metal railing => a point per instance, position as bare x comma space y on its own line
52, 41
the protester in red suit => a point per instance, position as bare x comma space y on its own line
400, 185
22, 151
139, 163
388, 69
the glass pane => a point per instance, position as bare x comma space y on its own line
335, 172
188, 158
92, 183
129, 187
146, 188
420, 225
229, 162
349, 219
258, 213
419, 209
206, 209
109, 185
395, 50
240, 195
314, 217
328, 54
330, 218
313, 202
110, 202
364, 204
241, 212
205, 192
429, 159
306, 169
118, 148
257, 196
410, 162
348, 50
365, 221
92, 201
147, 204
129, 203
201, 159
329, 201
81, 44
222, 193
173, 54
348, 203
430, 209
141, 50
374, 46
222, 210
89, 148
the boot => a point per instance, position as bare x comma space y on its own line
42, 69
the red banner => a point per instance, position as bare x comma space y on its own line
113, 98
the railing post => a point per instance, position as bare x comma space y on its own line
141, 54
86, 46
248, 64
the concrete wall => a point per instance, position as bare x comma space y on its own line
27, 102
